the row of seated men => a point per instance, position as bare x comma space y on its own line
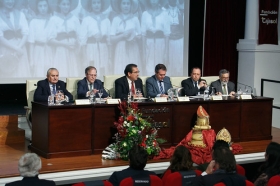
156, 86
222, 170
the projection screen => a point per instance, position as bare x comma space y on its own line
107, 34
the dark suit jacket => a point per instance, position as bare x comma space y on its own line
31, 181
118, 176
231, 179
152, 86
43, 90
83, 88
189, 88
218, 86
122, 87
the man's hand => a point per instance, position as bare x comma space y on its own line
232, 93
211, 167
202, 84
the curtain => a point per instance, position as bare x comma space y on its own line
224, 26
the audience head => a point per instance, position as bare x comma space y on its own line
138, 157
160, 71
7, 4
181, 159
272, 159
131, 71
220, 143
42, 7
91, 73
224, 159
224, 75
195, 74
29, 165
53, 75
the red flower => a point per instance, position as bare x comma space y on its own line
134, 105
123, 107
143, 144
120, 121
130, 118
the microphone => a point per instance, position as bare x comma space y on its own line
252, 94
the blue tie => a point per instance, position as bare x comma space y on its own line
53, 88
161, 88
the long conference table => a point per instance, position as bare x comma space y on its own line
75, 130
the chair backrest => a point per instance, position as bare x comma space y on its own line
176, 81
240, 170
210, 79
274, 181
31, 85
248, 183
71, 85
109, 83
94, 183
154, 181
144, 78
176, 178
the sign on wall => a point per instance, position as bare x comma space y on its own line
268, 20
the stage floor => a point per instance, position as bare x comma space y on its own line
73, 169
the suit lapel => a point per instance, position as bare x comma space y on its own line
126, 84
156, 83
48, 88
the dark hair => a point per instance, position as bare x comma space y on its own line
138, 157
272, 164
220, 143
160, 67
89, 68
181, 159
128, 68
89, 5
225, 158
223, 71
195, 68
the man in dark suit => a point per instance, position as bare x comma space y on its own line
158, 84
129, 82
221, 169
138, 158
50, 85
90, 84
29, 165
194, 85
223, 86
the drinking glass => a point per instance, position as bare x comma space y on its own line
59, 97
91, 97
100, 93
138, 92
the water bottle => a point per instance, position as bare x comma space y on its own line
206, 93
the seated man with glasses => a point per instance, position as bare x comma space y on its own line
128, 83
90, 84
223, 86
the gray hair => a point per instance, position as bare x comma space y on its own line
51, 69
223, 71
29, 165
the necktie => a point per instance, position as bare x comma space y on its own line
90, 87
161, 88
224, 89
53, 88
132, 88
195, 84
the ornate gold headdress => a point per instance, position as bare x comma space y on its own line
224, 135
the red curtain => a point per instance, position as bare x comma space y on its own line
225, 24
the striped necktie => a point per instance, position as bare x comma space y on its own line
161, 88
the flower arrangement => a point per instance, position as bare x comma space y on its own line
133, 129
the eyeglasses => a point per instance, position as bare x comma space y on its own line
136, 72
